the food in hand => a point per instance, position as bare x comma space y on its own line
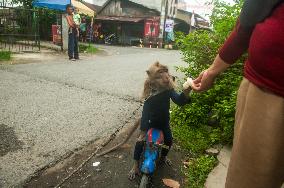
188, 83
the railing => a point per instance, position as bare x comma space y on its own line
19, 28
18, 42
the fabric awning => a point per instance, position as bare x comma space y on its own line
119, 18
83, 9
52, 4
61, 5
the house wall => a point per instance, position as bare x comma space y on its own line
183, 16
131, 32
126, 8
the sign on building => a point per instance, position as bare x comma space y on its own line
169, 25
151, 28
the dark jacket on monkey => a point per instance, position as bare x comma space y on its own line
156, 108
155, 112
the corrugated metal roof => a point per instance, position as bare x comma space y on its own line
95, 8
119, 18
152, 4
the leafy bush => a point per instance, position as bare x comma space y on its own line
199, 169
209, 119
218, 104
5, 55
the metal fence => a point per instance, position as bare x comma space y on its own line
19, 28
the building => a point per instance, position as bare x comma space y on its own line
129, 22
94, 7
183, 22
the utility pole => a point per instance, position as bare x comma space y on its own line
192, 21
162, 22
174, 10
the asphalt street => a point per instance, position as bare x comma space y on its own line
53, 107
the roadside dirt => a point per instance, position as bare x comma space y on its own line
112, 171
46, 55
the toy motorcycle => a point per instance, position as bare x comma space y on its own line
152, 149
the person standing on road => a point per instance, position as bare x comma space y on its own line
72, 35
257, 159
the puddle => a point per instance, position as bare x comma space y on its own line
8, 140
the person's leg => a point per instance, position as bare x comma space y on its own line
257, 159
76, 53
71, 45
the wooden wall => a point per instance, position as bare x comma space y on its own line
127, 8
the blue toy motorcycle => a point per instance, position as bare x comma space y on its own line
153, 145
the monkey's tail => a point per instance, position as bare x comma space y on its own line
136, 124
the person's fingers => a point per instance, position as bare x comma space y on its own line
199, 78
196, 87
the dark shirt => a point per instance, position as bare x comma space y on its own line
156, 113
260, 31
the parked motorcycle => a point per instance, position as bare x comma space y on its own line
152, 152
111, 39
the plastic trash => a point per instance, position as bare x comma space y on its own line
95, 164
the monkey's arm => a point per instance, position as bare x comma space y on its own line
132, 130
182, 98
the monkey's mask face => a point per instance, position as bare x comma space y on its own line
159, 77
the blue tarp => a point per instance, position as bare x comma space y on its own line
52, 4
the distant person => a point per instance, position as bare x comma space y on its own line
257, 159
72, 35
77, 20
83, 29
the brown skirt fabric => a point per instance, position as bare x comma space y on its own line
257, 159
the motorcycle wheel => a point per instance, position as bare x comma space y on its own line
144, 181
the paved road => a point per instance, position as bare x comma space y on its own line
49, 109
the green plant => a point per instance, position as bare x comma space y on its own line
199, 169
218, 104
5, 55
87, 49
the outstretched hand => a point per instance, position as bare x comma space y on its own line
206, 79
203, 82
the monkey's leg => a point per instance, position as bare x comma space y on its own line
137, 155
132, 130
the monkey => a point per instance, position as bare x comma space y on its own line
159, 88
159, 81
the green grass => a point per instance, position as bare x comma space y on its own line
5, 55
87, 49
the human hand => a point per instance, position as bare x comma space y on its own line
204, 81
